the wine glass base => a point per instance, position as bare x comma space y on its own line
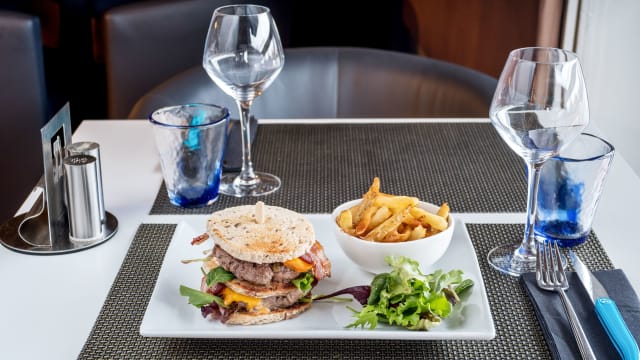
503, 258
265, 184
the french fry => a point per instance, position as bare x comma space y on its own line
375, 185
367, 200
396, 203
444, 210
397, 236
354, 208
381, 215
418, 232
427, 218
345, 221
412, 221
365, 220
431, 231
387, 226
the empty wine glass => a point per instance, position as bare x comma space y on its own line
540, 106
243, 55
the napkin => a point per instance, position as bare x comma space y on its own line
555, 324
233, 153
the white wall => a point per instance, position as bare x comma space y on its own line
608, 44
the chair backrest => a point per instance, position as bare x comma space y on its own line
23, 103
325, 82
147, 42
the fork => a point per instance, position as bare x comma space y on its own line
550, 276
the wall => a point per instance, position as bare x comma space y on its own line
608, 46
480, 33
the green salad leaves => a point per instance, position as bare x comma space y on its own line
199, 298
408, 298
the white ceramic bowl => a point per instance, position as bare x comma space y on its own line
369, 255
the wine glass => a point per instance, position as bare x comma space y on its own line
243, 55
540, 105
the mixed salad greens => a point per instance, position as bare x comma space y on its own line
407, 297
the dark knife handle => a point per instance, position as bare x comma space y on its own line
617, 329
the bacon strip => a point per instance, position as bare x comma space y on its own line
199, 239
321, 264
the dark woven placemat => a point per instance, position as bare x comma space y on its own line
518, 335
466, 164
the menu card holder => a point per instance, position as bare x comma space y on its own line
44, 227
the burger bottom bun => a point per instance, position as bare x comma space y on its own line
245, 318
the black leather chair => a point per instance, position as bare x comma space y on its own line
334, 82
23, 104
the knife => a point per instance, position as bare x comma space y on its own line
607, 312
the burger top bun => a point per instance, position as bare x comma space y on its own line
260, 233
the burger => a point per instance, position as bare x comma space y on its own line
264, 262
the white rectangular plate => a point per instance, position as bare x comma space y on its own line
169, 315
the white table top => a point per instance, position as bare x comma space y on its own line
50, 303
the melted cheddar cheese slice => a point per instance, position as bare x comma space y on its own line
298, 265
231, 296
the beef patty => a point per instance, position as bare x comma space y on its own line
261, 274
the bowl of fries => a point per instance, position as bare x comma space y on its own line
379, 224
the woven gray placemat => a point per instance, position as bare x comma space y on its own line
466, 164
115, 334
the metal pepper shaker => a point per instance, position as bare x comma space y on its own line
83, 198
92, 149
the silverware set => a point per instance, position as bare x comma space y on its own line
550, 276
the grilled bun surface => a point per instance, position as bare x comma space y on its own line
282, 236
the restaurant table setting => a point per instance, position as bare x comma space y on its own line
311, 184
311, 168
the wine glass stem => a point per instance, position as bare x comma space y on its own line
247, 176
527, 249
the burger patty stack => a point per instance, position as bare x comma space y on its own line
263, 265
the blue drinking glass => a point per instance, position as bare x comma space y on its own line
191, 140
569, 190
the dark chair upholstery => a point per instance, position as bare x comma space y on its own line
344, 83
23, 104
147, 42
